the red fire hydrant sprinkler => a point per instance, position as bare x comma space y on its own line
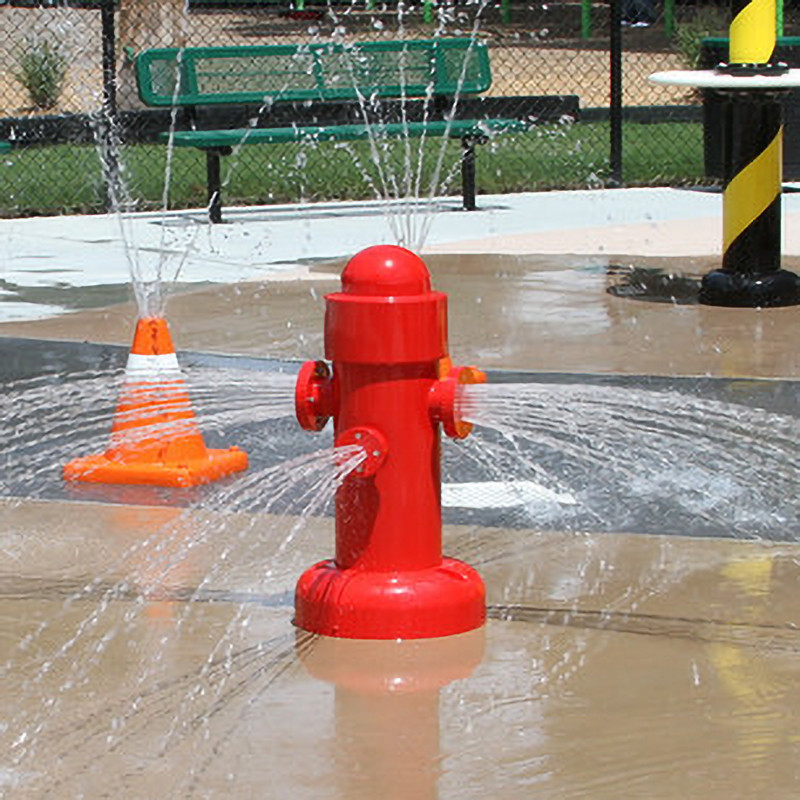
386, 335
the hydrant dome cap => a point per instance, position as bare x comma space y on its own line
386, 271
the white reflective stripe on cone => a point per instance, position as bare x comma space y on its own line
139, 365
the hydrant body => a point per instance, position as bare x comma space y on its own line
386, 335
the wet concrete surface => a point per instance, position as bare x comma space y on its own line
147, 648
614, 666
28, 367
533, 313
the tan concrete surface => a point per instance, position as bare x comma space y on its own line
680, 238
514, 312
612, 666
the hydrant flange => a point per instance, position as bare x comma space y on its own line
312, 395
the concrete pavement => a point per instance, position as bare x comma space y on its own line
147, 647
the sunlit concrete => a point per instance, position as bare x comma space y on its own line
39, 254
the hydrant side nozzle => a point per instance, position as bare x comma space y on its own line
374, 444
313, 395
444, 400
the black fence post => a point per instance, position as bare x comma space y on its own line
615, 88
108, 133
108, 29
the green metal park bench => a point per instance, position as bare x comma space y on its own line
324, 93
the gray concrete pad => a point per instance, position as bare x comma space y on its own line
37, 254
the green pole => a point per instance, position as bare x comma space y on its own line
505, 11
427, 11
779, 18
586, 19
669, 17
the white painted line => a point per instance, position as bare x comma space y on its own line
500, 494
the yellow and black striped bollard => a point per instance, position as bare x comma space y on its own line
751, 273
752, 39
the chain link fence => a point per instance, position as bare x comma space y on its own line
67, 66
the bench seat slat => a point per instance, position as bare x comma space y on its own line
328, 79
260, 74
330, 133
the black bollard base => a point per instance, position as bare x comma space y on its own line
748, 70
750, 290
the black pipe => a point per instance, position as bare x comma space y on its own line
468, 172
107, 132
751, 274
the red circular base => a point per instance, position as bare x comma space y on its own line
354, 604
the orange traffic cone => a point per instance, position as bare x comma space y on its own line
155, 439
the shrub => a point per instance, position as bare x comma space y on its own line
42, 69
689, 34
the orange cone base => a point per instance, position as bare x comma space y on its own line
214, 465
420, 604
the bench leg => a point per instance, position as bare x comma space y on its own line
468, 173
214, 186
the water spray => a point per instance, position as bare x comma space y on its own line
391, 390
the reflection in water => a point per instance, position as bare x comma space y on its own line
609, 661
148, 651
387, 707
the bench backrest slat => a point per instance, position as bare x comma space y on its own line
264, 73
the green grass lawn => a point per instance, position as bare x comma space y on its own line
68, 178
